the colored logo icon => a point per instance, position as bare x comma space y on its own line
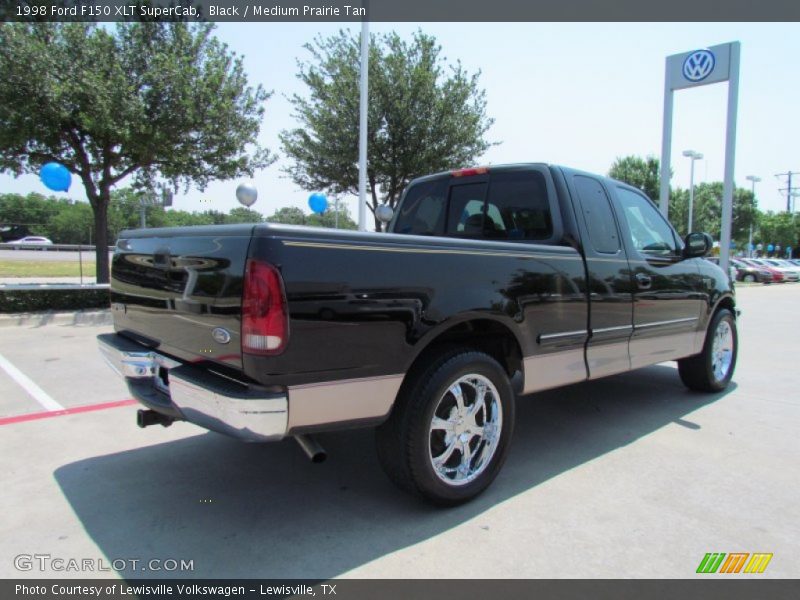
736, 562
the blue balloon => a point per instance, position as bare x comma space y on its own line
55, 176
318, 203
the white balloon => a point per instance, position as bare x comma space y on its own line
384, 213
246, 193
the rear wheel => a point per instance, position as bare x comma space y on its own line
712, 369
449, 433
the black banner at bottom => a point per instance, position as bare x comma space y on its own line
391, 589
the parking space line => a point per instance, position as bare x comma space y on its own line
29, 386
65, 411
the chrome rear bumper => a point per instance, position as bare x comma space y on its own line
247, 412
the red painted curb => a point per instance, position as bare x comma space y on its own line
67, 411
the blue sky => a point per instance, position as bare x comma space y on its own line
578, 94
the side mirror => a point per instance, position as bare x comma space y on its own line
697, 244
384, 214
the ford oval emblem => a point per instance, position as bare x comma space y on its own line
220, 335
699, 65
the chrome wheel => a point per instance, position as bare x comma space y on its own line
465, 430
749, 278
722, 350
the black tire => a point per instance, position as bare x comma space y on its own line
408, 443
698, 372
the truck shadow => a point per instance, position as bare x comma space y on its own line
264, 511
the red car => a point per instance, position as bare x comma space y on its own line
777, 276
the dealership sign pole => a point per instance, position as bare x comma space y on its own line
691, 69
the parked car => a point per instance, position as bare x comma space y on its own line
33, 240
788, 265
733, 272
750, 273
491, 282
778, 276
790, 272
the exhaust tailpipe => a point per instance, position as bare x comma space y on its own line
311, 447
145, 418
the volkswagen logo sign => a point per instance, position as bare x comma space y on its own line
220, 335
699, 65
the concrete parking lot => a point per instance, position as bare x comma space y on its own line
631, 476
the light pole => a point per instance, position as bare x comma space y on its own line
362, 126
693, 156
754, 180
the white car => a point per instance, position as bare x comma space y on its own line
33, 240
791, 272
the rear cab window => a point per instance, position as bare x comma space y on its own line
597, 215
505, 205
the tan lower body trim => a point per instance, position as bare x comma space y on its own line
647, 351
608, 358
342, 401
545, 371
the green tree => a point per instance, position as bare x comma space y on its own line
288, 215
642, 173
241, 214
181, 218
32, 210
707, 212
291, 215
164, 103
679, 210
328, 218
423, 116
72, 224
779, 228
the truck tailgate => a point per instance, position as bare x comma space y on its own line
180, 290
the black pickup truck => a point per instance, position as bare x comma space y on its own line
490, 283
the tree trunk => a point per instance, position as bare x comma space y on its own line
101, 236
375, 203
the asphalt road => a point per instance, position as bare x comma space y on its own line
46, 255
630, 476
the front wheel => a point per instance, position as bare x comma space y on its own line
749, 278
449, 433
712, 369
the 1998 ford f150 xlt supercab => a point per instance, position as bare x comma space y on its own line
491, 283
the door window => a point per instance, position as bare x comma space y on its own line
648, 231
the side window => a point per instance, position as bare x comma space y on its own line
647, 229
518, 207
465, 216
597, 214
423, 209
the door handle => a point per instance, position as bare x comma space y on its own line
644, 281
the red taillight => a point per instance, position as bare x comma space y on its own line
470, 172
265, 320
